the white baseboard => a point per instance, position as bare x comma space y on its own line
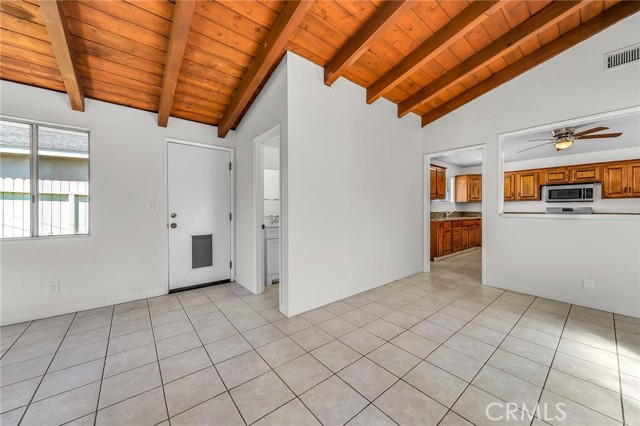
560, 298
78, 306
307, 306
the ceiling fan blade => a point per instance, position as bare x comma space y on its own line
586, 132
600, 136
545, 139
533, 147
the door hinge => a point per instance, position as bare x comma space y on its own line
230, 217
230, 166
231, 265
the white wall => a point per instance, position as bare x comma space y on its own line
268, 110
599, 205
354, 184
125, 257
550, 257
453, 171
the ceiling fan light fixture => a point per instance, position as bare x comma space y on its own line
564, 143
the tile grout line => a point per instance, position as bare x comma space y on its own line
615, 335
104, 365
211, 360
485, 362
164, 396
18, 338
45, 373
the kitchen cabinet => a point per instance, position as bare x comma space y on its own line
528, 185
452, 236
585, 174
555, 176
438, 182
509, 186
621, 180
468, 188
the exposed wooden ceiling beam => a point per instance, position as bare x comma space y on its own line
56, 23
547, 17
381, 20
292, 13
441, 40
593, 26
181, 23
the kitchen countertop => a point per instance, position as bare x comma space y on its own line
443, 219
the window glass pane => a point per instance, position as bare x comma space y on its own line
15, 182
63, 182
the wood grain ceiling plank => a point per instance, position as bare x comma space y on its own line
126, 101
435, 45
90, 48
187, 87
221, 14
227, 66
21, 54
282, 29
30, 69
549, 16
301, 51
161, 8
89, 15
95, 85
118, 71
323, 30
23, 10
198, 74
310, 42
378, 24
215, 31
134, 14
214, 48
56, 22
181, 24
115, 80
254, 10
595, 25
22, 26
31, 80
210, 120
115, 41
336, 16
25, 42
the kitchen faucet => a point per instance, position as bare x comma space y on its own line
448, 213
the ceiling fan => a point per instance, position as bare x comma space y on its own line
564, 137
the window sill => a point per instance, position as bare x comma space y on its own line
45, 237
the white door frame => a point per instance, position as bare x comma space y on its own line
426, 206
165, 204
258, 204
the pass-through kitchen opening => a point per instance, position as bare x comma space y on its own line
455, 214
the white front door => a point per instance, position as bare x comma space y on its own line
199, 208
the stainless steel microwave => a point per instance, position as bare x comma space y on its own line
568, 193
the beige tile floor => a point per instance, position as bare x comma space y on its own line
433, 348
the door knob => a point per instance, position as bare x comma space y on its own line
174, 226
173, 215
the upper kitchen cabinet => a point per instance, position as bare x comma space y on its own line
555, 176
621, 180
438, 182
528, 185
587, 173
468, 188
509, 186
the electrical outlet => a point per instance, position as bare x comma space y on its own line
149, 205
588, 284
53, 288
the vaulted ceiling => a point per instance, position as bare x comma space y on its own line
206, 61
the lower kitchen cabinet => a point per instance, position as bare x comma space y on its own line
451, 236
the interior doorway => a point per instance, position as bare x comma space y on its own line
454, 203
200, 212
268, 213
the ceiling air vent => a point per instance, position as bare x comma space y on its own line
618, 58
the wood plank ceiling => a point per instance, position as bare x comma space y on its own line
206, 61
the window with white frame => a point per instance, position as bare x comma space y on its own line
449, 190
44, 180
